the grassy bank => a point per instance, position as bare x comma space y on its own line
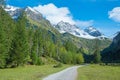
97, 72
29, 72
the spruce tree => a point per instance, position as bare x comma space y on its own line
34, 51
20, 49
6, 33
3, 52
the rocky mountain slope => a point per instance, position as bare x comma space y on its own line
64, 27
13, 11
94, 32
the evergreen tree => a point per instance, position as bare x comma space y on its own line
3, 52
34, 51
70, 46
6, 33
20, 50
96, 54
30, 32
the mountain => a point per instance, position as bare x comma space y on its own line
13, 11
33, 14
64, 27
34, 17
63, 31
93, 32
116, 41
112, 53
16, 11
37, 18
88, 33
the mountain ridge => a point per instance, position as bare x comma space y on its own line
88, 33
62, 26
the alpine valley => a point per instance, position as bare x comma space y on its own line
62, 42
66, 43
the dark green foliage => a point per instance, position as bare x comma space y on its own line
3, 52
19, 49
88, 58
6, 36
96, 57
70, 46
112, 53
34, 50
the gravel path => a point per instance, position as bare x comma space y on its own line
67, 74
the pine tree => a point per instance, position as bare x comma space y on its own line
20, 50
34, 51
3, 52
6, 34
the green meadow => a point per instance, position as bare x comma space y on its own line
97, 72
29, 72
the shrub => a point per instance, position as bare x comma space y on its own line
58, 65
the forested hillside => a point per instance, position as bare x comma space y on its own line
112, 53
22, 43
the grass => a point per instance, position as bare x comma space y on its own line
97, 72
29, 72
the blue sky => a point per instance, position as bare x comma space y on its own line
85, 12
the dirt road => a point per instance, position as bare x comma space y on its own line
67, 74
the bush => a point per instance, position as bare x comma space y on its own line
58, 65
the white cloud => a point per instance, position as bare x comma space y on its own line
55, 15
115, 14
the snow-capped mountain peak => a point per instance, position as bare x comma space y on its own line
13, 11
31, 9
11, 8
16, 11
93, 32
92, 29
64, 27
33, 14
